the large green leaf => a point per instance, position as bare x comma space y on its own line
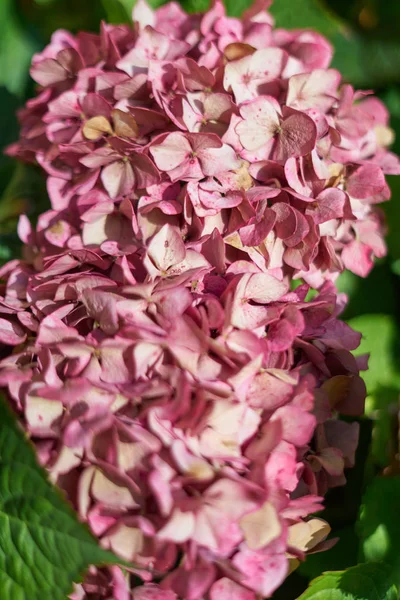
363, 582
379, 523
43, 548
379, 339
16, 49
118, 11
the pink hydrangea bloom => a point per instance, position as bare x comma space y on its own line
178, 390
242, 118
179, 421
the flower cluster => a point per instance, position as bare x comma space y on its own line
177, 386
208, 123
180, 422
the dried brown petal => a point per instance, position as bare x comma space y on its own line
124, 124
96, 127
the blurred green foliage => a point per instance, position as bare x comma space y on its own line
365, 34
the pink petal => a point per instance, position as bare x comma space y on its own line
255, 234
48, 72
99, 158
11, 334
41, 415
329, 205
179, 528
152, 591
118, 178
260, 122
166, 249
317, 90
262, 572
298, 425
264, 288
110, 493
366, 181
24, 229
357, 257
226, 589
145, 171
94, 105
171, 152
143, 15
217, 160
269, 392
297, 136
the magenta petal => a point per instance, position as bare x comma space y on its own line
366, 181
153, 592
357, 257
262, 571
255, 234
226, 589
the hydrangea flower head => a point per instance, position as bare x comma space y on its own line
245, 128
177, 385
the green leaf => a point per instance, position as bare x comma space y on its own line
380, 338
43, 548
193, 6
363, 582
118, 11
16, 49
379, 523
